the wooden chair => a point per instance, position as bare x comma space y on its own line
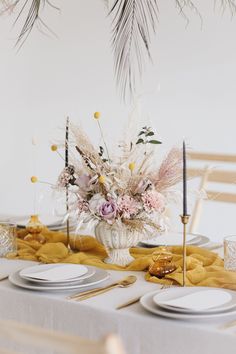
31, 337
208, 174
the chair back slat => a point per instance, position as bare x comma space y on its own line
211, 174
202, 156
218, 176
221, 197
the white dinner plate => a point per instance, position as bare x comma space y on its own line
99, 277
175, 239
210, 299
147, 302
90, 272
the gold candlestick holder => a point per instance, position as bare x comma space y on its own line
185, 220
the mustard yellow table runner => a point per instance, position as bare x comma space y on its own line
204, 268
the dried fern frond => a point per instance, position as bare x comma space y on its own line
170, 172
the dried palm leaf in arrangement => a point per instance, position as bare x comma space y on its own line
128, 190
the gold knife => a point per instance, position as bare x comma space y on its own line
128, 303
136, 299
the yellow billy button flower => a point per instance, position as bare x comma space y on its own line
34, 179
54, 147
97, 115
132, 166
101, 179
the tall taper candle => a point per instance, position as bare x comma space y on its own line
67, 187
185, 208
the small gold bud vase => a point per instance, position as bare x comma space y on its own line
34, 229
162, 263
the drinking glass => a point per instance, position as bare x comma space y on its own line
230, 253
7, 238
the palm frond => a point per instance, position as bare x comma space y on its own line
32, 8
132, 24
230, 4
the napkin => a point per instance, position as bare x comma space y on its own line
198, 301
57, 273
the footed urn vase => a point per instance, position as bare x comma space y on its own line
117, 239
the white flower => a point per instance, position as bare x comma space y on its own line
96, 202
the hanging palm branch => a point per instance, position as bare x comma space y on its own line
32, 9
133, 24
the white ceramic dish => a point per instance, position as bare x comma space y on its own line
176, 239
210, 293
99, 277
90, 273
147, 302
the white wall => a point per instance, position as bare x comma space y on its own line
188, 92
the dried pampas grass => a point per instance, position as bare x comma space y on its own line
170, 172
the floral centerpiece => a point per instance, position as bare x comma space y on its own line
123, 197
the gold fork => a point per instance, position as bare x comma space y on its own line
129, 280
136, 299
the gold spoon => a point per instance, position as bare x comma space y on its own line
124, 283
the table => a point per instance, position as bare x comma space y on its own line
141, 332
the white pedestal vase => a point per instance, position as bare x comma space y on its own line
117, 239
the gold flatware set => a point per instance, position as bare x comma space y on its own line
124, 283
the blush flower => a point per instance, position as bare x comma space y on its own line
127, 206
83, 182
153, 201
96, 202
66, 177
82, 205
108, 211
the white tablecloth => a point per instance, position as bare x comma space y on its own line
141, 332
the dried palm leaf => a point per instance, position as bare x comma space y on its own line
133, 22
33, 9
230, 4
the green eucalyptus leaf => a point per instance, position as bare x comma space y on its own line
141, 133
150, 134
140, 141
154, 142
